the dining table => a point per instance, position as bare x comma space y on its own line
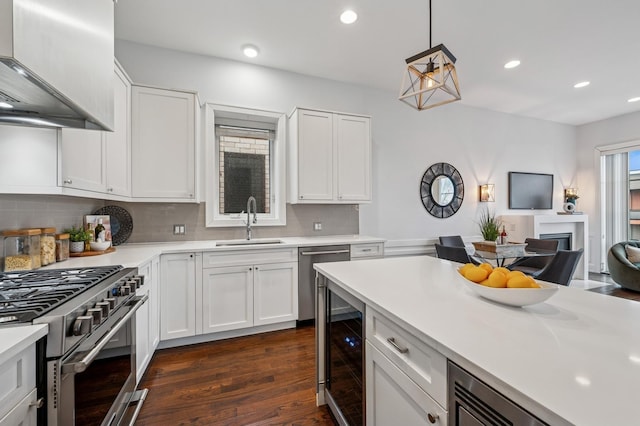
501, 259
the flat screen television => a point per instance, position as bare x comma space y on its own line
530, 191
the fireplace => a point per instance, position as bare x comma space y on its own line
564, 239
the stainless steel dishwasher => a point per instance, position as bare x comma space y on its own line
307, 257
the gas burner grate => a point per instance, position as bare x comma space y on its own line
28, 294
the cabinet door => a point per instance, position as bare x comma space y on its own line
143, 346
276, 293
154, 304
163, 144
227, 298
118, 142
353, 147
177, 296
315, 155
23, 414
393, 398
81, 160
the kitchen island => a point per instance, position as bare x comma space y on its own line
574, 359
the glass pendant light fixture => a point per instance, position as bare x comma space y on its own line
430, 78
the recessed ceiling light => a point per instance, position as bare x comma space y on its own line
5, 105
512, 64
636, 99
250, 51
581, 84
348, 17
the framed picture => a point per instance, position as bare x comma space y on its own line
91, 220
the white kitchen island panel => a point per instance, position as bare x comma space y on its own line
574, 359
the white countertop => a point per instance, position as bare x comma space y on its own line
134, 255
16, 338
574, 359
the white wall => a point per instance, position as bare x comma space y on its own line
616, 130
483, 145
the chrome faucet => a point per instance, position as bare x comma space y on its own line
250, 201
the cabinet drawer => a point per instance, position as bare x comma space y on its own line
422, 363
213, 259
17, 378
393, 398
23, 414
367, 250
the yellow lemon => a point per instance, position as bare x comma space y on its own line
512, 274
485, 282
464, 268
487, 267
497, 279
476, 274
534, 284
519, 281
502, 269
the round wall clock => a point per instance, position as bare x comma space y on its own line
442, 190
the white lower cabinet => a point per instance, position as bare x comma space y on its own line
147, 319
393, 398
18, 389
406, 379
227, 297
249, 288
178, 295
234, 290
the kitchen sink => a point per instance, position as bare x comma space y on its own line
247, 242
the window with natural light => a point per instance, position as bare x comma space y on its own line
245, 158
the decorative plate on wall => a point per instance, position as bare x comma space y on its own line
442, 190
121, 223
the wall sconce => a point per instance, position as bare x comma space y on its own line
487, 192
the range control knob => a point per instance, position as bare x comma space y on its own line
105, 308
133, 283
96, 313
124, 290
140, 279
111, 301
82, 325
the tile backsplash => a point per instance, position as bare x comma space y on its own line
153, 222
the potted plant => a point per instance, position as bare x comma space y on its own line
78, 238
489, 225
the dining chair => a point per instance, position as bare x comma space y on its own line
451, 241
532, 265
456, 241
561, 268
455, 254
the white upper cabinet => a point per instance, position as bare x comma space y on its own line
329, 157
118, 142
98, 161
164, 129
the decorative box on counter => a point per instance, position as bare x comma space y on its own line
509, 249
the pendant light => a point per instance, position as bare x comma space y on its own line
430, 78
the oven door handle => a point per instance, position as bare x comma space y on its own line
80, 366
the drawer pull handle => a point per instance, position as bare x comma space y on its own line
366, 250
392, 342
37, 403
432, 418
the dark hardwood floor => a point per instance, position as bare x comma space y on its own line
266, 379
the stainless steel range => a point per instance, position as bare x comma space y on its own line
87, 361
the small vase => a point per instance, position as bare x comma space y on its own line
76, 246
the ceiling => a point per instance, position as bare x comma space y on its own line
559, 43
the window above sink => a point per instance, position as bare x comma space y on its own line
245, 156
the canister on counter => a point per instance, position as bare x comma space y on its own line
21, 248
47, 246
62, 247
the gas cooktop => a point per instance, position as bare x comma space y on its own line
25, 295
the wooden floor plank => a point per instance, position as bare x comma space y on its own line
266, 379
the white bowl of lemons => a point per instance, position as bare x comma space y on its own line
501, 285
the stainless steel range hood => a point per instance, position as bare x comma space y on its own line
56, 63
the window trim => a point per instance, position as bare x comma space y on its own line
277, 217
